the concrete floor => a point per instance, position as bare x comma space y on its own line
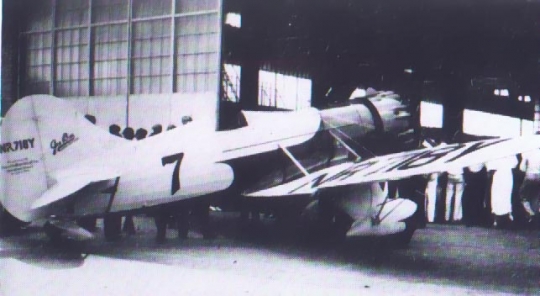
440, 260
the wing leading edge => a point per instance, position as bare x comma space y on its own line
403, 165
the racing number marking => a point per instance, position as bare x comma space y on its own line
175, 184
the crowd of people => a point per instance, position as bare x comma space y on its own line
502, 193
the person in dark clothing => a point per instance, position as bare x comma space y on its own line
140, 134
128, 133
473, 195
115, 129
90, 118
156, 129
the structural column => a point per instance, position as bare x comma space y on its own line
454, 92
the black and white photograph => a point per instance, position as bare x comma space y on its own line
285, 147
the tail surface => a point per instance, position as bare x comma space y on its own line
41, 135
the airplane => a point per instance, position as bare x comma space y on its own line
57, 167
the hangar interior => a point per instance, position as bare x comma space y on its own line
138, 62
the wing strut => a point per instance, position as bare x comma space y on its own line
293, 159
112, 191
345, 145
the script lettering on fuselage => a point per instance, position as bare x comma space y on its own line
399, 162
67, 139
17, 145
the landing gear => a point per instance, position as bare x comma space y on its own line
112, 227
88, 223
54, 233
9, 224
202, 212
161, 224
182, 223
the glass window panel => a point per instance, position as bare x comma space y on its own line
145, 8
109, 10
71, 13
183, 6
36, 76
39, 17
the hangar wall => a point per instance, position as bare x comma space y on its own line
122, 52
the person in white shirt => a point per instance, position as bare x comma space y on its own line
501, 189
454, 193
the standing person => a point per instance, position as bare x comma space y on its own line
129, 225
501, 190
140, 134
115, 129
475, 177
431, 196
454, 193
530, 188
156, 129
128, 133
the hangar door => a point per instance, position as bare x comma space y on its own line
73, 48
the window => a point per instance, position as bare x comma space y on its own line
110, 59
94, 47
284, 91
431, 114
488, 124
231, 82
70, 13
151, 63
71, 69
197, 56
37, 71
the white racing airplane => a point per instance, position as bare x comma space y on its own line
57, 167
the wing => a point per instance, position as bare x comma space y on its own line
406, 164
70, 181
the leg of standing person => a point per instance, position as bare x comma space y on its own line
485, 215
501, 197
431, 198
458, 196
450, 195
182, 222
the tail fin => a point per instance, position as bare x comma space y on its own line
40, 135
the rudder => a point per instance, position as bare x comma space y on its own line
41, 135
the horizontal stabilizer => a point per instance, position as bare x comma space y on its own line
71, 181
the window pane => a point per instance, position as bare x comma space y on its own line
145, 8
37, 69
71, 13
183, 6
40, 16
109, 10
110, 56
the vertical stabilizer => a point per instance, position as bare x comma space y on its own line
42, 134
